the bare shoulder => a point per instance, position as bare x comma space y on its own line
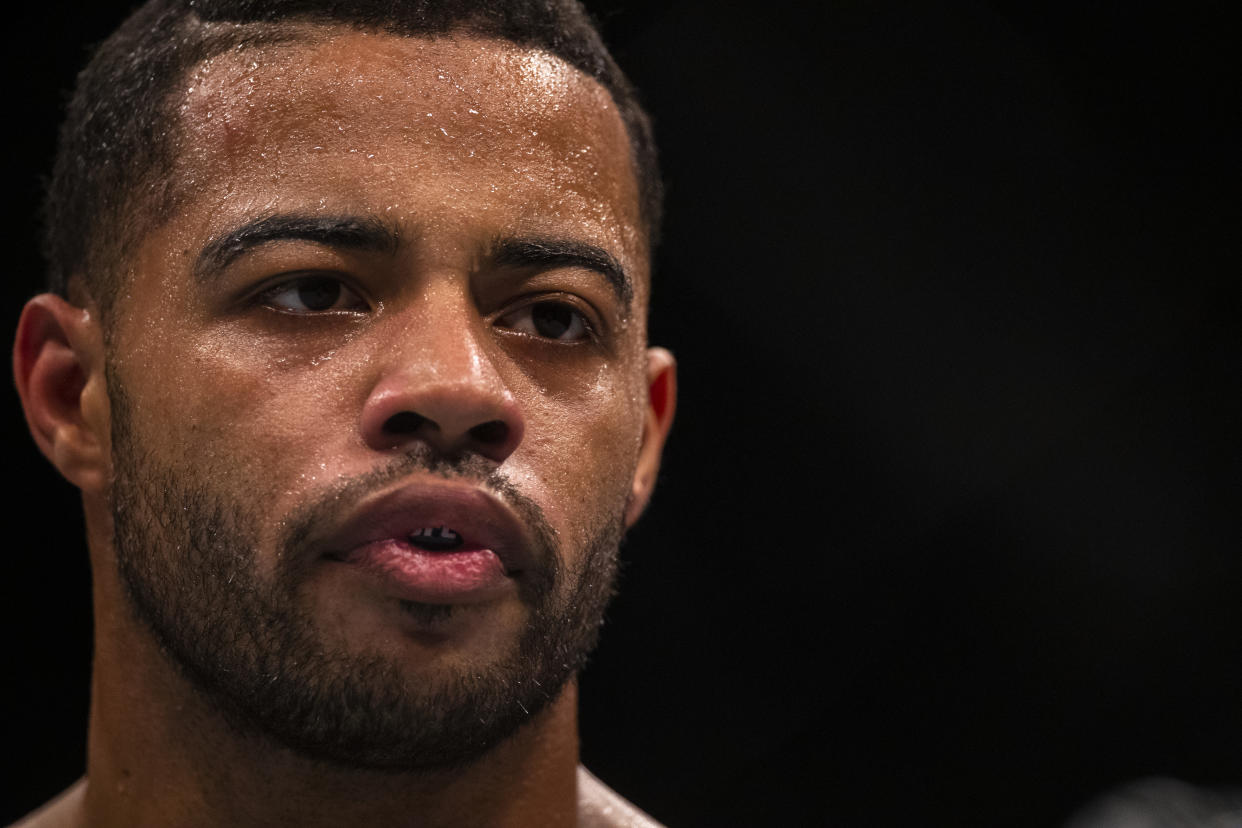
61, 812
599, 806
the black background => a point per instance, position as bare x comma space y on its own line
947, 532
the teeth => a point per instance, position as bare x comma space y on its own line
435, 538
437, 532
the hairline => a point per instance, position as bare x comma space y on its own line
147, 184
152, 201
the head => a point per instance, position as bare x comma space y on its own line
322, 279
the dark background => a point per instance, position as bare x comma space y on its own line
948, 529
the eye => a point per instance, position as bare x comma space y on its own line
313, 294
548, 320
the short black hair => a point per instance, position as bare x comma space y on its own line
111, 175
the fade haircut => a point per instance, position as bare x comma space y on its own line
111, 181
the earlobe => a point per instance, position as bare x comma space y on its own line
59, 368
661, 405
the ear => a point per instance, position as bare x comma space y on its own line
58, 362
661, 403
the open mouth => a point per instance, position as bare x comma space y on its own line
435, 539
431, 542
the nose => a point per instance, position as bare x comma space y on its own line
439, 387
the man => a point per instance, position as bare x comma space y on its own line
346, 352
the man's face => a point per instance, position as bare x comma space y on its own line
404, 288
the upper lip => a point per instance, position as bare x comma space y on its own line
481, 519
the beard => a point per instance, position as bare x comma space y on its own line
187, 553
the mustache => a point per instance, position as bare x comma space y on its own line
316, 517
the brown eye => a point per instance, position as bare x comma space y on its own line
548, 320
313, 294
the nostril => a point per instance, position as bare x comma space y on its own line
405, 422
491, 432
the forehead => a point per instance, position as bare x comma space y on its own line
446, 132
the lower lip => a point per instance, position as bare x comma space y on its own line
458, 576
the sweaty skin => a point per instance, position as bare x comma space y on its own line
237, 384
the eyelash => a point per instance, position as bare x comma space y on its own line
298, 283
590, 331
266, 297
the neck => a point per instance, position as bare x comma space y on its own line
160, 754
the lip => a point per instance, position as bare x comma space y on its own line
375, 536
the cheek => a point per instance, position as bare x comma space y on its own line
272, 417
235, 411
579, 453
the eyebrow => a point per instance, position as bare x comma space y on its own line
352, 232
553, 252
369, 234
